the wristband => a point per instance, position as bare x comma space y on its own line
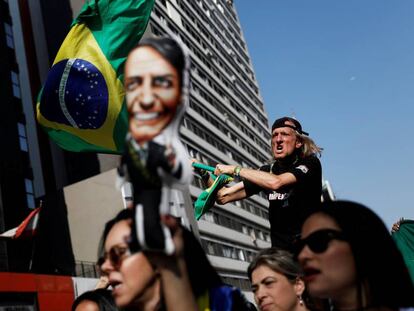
236, 171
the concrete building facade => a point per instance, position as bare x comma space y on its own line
226, 123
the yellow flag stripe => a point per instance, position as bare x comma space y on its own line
81, 44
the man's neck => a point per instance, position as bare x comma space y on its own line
288, 161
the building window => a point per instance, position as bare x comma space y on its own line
22, 137
9, 35
210, 248
29, 193
209, 217
15, 84
226, 251
241, 255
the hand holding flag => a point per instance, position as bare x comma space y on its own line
206, 199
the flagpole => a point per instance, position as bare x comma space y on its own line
32, 255
34, 245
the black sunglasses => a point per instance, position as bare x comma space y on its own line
115, 255
318, 241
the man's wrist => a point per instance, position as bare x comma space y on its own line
236, 171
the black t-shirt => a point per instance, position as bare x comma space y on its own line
290, 205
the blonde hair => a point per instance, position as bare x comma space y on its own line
309, 147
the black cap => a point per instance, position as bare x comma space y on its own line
282, 123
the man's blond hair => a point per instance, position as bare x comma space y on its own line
308, 146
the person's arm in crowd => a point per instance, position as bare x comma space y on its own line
176, 287
103, 282
231, 194
260, 178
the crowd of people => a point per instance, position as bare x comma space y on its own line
336, 255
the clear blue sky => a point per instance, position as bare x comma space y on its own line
345, 69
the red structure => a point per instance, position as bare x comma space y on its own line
43, 292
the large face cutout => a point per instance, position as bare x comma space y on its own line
152, 91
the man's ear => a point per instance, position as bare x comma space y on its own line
299, 143
299, 286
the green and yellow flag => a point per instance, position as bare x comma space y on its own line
207, 198
404, 238
81, 105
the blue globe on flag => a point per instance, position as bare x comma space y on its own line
79, 92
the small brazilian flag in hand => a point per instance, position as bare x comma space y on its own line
81, 105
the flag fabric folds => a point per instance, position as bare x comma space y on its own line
206, 199
224, 298
404, 238
27, 228
81, 105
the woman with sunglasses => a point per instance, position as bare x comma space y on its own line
277, 282
349, 258
145, 280
141, 280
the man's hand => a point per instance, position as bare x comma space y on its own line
167, 261
222, 195
231, 193
396, 226
170, 155
224, 169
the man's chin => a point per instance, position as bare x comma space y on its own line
279, 156
144, 134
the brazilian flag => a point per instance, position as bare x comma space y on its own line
81, 105
207, 198
404, 238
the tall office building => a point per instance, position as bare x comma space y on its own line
226, 123
31, 167
16, 176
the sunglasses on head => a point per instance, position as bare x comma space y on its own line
115, 255
318, 241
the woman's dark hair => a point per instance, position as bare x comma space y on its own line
124, 214
169, 49
381, 270
102, 297
201, 273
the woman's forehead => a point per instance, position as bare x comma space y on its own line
320, 220
118, 233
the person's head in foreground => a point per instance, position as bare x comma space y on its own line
134, 275
134, 280
289, 140
155, 76
277, 282
349, 257
95, 300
